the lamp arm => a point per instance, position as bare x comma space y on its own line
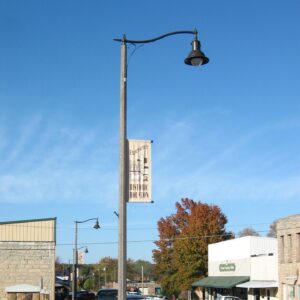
124, 40
86, 220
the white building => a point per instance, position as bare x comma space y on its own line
245, 267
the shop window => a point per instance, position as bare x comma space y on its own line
290, 292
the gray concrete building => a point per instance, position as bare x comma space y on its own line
288, 235
27, 255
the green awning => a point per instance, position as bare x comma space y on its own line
220, 282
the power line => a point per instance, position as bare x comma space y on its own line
69, 227
137, 241
141, 241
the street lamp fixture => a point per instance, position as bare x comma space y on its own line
86, 250
195, 58
97, 226
75, 254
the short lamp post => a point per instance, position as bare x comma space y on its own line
195, 58
75, 255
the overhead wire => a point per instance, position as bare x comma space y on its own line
141, 241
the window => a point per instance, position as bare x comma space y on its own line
268, 294
298, 248
282, 249
290, 292
290, 246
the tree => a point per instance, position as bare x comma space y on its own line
182, 249
248, 231
148, 270
272, 230
59, 267
108, 266
89, 283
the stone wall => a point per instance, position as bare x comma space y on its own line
288, 234
30, 263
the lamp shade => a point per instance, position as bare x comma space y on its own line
97, 226
196, 57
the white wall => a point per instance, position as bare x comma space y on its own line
263, 245
241, 248
264, 268
228, 250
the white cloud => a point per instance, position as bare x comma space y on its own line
57, 164
53, 161
237, 171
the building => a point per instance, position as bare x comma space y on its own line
288, 235
244, 267
27, 256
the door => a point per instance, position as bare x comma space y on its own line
256, 294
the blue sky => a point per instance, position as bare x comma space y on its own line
226, 133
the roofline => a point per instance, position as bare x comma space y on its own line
29, 220
287, 218
245, 237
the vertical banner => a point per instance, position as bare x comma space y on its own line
139, 169
80, 257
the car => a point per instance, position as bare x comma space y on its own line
112, 294
131, 296
107, 294
220, 297
156, 297
159, 297
82, 295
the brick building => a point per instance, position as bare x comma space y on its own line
27, 255
288, 235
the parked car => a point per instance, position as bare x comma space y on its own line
82, 295
112, 294
131, 296
107, 294
156, 297
220, 297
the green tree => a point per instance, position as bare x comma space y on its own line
182, 249
148, 270
108, 266
89, 283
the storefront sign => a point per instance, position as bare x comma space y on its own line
139, 167
227, 267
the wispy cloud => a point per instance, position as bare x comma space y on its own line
53, 161
59, 163
236, 171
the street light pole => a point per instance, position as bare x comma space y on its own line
75, 255
123, 197
75, 263
104, 276
142, 279
196, 57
